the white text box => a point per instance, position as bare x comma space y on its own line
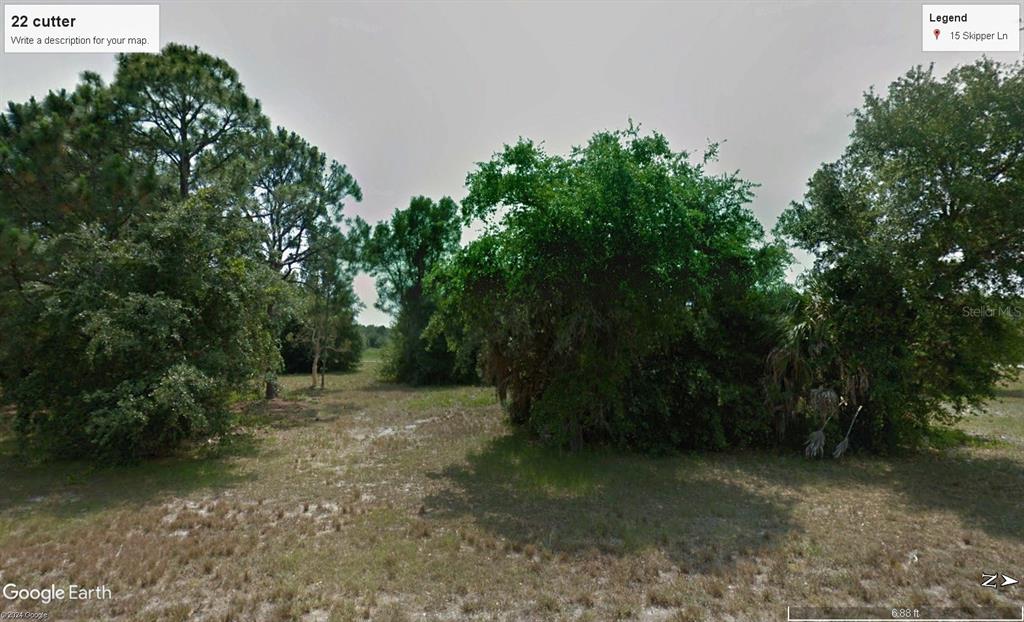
970, 28
81, 28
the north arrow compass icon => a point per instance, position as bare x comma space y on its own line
991, 580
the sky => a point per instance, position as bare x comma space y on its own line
410, 95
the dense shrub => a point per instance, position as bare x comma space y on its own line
705, 389
134, 344
620, 294
421, 354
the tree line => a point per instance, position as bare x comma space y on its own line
164, 247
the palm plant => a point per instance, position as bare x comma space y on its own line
803, 369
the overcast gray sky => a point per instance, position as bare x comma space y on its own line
410, 94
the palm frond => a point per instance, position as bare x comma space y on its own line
841, 447
815, 442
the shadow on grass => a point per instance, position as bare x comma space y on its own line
985, 490
73, 488
378, 385
286, 414
704, 511
1009, 393
579, 504
383, 384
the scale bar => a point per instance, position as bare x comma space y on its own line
909, 619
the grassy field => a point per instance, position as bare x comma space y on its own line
373, 501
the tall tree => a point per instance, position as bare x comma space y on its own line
298, 199
401, 253
296, 196
189, 108
67, 160
919, 254
66, 164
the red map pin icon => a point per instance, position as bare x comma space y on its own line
936, 32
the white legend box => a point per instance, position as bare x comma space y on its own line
81, 28
970, 28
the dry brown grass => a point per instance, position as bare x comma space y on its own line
370, 501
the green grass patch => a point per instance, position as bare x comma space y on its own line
452, 397
951, 438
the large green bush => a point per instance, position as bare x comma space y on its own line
621, 294
134, 344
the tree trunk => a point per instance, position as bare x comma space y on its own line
316, 363
184, 172
271, 384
